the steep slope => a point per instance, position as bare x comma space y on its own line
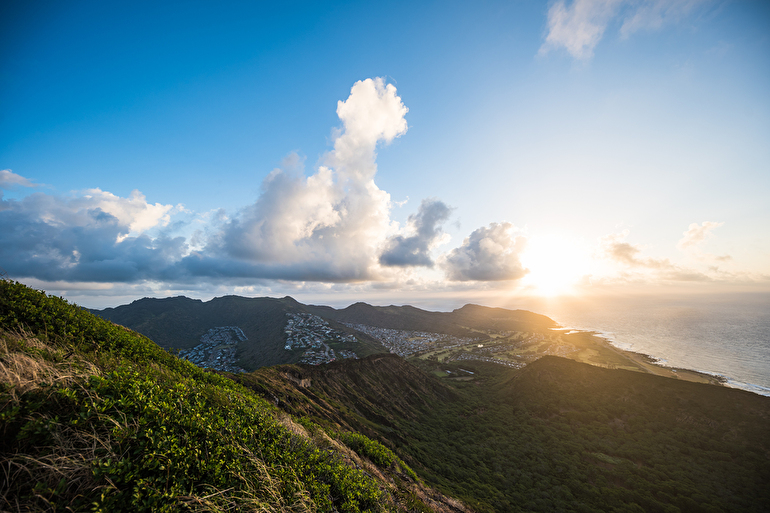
96, 417
555, 436
371, 395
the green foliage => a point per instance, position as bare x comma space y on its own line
555, 436
560, 435
147, 432
374, 451
95, 417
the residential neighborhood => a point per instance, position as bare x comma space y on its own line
407, 343
217, 349
312, 333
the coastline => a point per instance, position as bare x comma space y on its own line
719, 340
642, 362
652, 365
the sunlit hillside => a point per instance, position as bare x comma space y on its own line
96, 417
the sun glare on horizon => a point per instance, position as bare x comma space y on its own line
555, 263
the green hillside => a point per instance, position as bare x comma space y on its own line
557, 435
96, 417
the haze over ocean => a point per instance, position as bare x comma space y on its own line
727, 334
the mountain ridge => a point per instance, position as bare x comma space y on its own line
376, 434
180, 322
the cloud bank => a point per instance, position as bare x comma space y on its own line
332, 226
92, 236
490, 254
415, 250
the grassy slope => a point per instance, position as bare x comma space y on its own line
94, 416
556, 436
93, 413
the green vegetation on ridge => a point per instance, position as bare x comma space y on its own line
179, 322
96, 417
555, 436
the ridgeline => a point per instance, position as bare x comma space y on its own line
96, 417
481, 416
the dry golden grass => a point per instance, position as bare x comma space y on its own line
67, 467
28, 363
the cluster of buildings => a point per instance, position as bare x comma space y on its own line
406, 343
307, 330
475, 356
310, 332
318, 355
217, 349
497, 348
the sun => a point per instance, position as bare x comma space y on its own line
555, 263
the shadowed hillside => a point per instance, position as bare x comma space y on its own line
180, 322
555, 436
372, 395
455, 323
394, 317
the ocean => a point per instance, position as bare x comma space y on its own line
726, 335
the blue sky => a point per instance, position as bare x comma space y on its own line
387, 152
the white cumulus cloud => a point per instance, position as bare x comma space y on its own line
489, 254
330, 225
133, 212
